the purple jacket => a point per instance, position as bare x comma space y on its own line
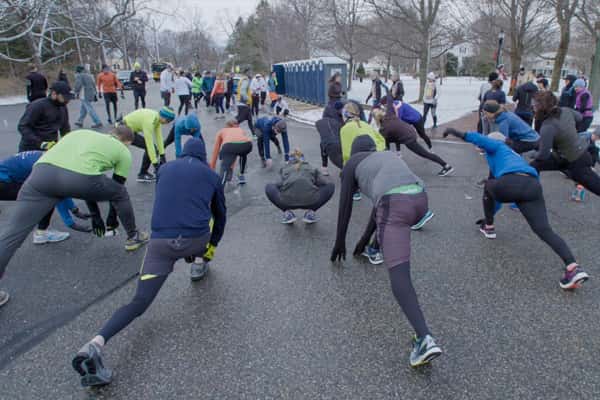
583, 103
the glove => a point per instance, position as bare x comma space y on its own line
339, 252
99, 95
163, 160
47, 145
209, 254
80, 214
111, 221
98, 227
454, 132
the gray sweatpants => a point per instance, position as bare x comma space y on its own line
46, 186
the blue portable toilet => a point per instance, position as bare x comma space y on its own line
279, 70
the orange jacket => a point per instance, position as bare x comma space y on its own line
107, 82
220, 87
227, 135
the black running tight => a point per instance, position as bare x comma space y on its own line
405, 295
420, 127
419, 150
579, 170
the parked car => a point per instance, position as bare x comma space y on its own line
123, 76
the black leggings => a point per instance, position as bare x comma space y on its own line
420, 127
229, 152
137, 96
406, 296
260, 142
263, 98
218, 100
433, 108
274, 195
108, 99
245, 114
184, 101
227, 100
140, 143
579, 170
522, 147
160, 258
255, 104
419, 150
526, 192
197, 98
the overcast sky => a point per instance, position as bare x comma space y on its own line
213, 12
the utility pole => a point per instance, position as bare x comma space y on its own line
595, 74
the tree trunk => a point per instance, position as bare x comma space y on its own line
561, 54
595, 73
423, 67
350, 73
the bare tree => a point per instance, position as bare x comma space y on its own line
565, 10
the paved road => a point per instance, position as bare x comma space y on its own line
275, 319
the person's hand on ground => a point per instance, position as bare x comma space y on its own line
339, 252
98, 227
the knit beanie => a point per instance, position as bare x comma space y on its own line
281, 126
491, 107
167, 113
579, 83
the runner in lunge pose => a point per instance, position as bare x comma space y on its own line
231, 143
512, 180
188, 195
400, 201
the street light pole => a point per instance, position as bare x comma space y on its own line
500, 44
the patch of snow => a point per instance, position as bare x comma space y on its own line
12, 100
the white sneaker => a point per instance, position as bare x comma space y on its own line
49, 236
324, 171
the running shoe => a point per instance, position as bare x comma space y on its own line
374, 255
264, 163
447, 170
49, 236
356, 196
268, 163
198, 270
573, 279
424, 350
241, 179
489, 233
88, 364
98, 125
288, 217
81, 228
426, 218
79, 124
310, 217
4, 297
110, 121
136, 241
481, 183
324, 171
146, 178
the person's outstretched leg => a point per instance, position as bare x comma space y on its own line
581, 172
419, 150
426, 108
420, 127
406, 296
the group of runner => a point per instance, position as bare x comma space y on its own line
55, 165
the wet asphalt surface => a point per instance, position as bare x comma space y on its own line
275, 319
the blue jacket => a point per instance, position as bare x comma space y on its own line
188, 194
408, 114
497, 95
265, 125
207, 84
17, 168
184, 126
513, 127
501, 159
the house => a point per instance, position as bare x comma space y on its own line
544, 64
462, 51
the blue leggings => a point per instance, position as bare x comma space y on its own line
64, 208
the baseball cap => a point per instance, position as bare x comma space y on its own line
61, 87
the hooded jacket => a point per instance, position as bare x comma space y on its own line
335, 91
567, 96
559, 137
41, 122
188, 195
523, 96
513, 127
37, 85
407, 113
17, 168
300, 183
189, 126
393, 129
142, 76
584, 103
85, 81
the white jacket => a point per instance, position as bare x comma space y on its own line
183, 86
166, 80
258, 85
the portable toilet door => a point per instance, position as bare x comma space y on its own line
313, 83
321, 83
280, 75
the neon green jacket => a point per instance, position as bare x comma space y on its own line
351, 130
196, 85
147, 122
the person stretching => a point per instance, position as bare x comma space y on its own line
400, 201
512, 180
519, 135
13, 172
394, 130
148, 136
188, 125
409, 115
267, 130
75, 167
188, 195
301, 186
231, 143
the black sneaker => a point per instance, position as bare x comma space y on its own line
489, 233
146, 178
79, 124
136, 241
98, 125
447, 170
81, 228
